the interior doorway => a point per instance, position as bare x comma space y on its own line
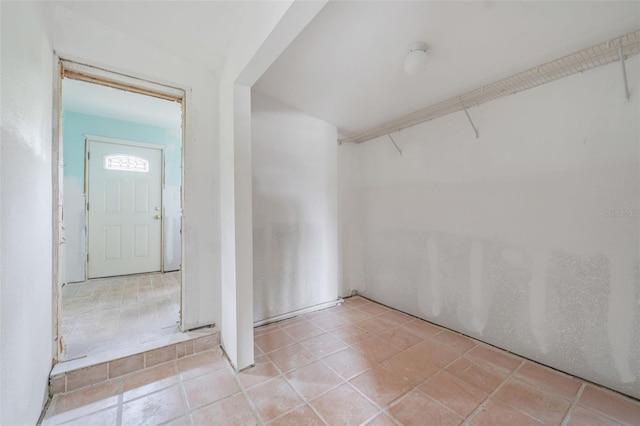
120, 217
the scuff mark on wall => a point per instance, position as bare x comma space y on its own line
295, 225
430, 296
621, 312
537, 299
472, 312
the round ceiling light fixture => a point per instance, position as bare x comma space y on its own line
416, 60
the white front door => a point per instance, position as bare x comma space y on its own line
124, 209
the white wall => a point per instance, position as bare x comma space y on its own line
509, 238
263, 33
77, 37
25, 225
295, 252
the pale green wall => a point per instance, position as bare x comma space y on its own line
76, 126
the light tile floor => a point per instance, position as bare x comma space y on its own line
120, 312
355, 363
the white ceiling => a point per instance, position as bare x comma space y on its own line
103, 101
197, 31
346, 66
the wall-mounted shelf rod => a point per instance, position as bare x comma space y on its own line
394, 143
624, 69
469, 118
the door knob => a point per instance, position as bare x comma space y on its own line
156, 217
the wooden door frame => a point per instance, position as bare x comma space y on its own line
124, 142
94, 73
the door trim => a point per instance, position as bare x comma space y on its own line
87, 140
135, 83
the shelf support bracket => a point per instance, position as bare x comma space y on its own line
469, 118
624, 69
394, 143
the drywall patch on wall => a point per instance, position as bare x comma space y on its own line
534, 224
295, 223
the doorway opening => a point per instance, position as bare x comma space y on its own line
120, 184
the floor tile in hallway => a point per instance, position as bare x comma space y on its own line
106, 313
357, 363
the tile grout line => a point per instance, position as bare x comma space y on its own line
183, 393
480, 407
376, 363
573, 404
282, 375
120, 403
441, 370
308, 402
249, 401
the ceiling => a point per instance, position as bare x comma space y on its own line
197, 31
103, 101
346, 65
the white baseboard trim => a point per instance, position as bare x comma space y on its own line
297, 313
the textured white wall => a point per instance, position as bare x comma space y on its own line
510, 238
261, 36
25, 223
77, 37
295, 253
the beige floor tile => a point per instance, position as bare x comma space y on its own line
262, 371
581, 416
313, 379
400, 337
113, 313
547, 407
344, 406
348, 363
351, 334
323, 345
548, 380
375, 325
460, 397
106, 417
274, 398
422, 329
399, 370
230, 411
611, 404
291, 357
273, 340
375, 349
433, 353
155, 408
412, 369
303, 330
301, 416
200, 363
455, 341
149, 380
496, 413
381, 386
419, 409
210, 387
330, 322
382, 420
397, 318
486, 378
497, 358
373, 308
